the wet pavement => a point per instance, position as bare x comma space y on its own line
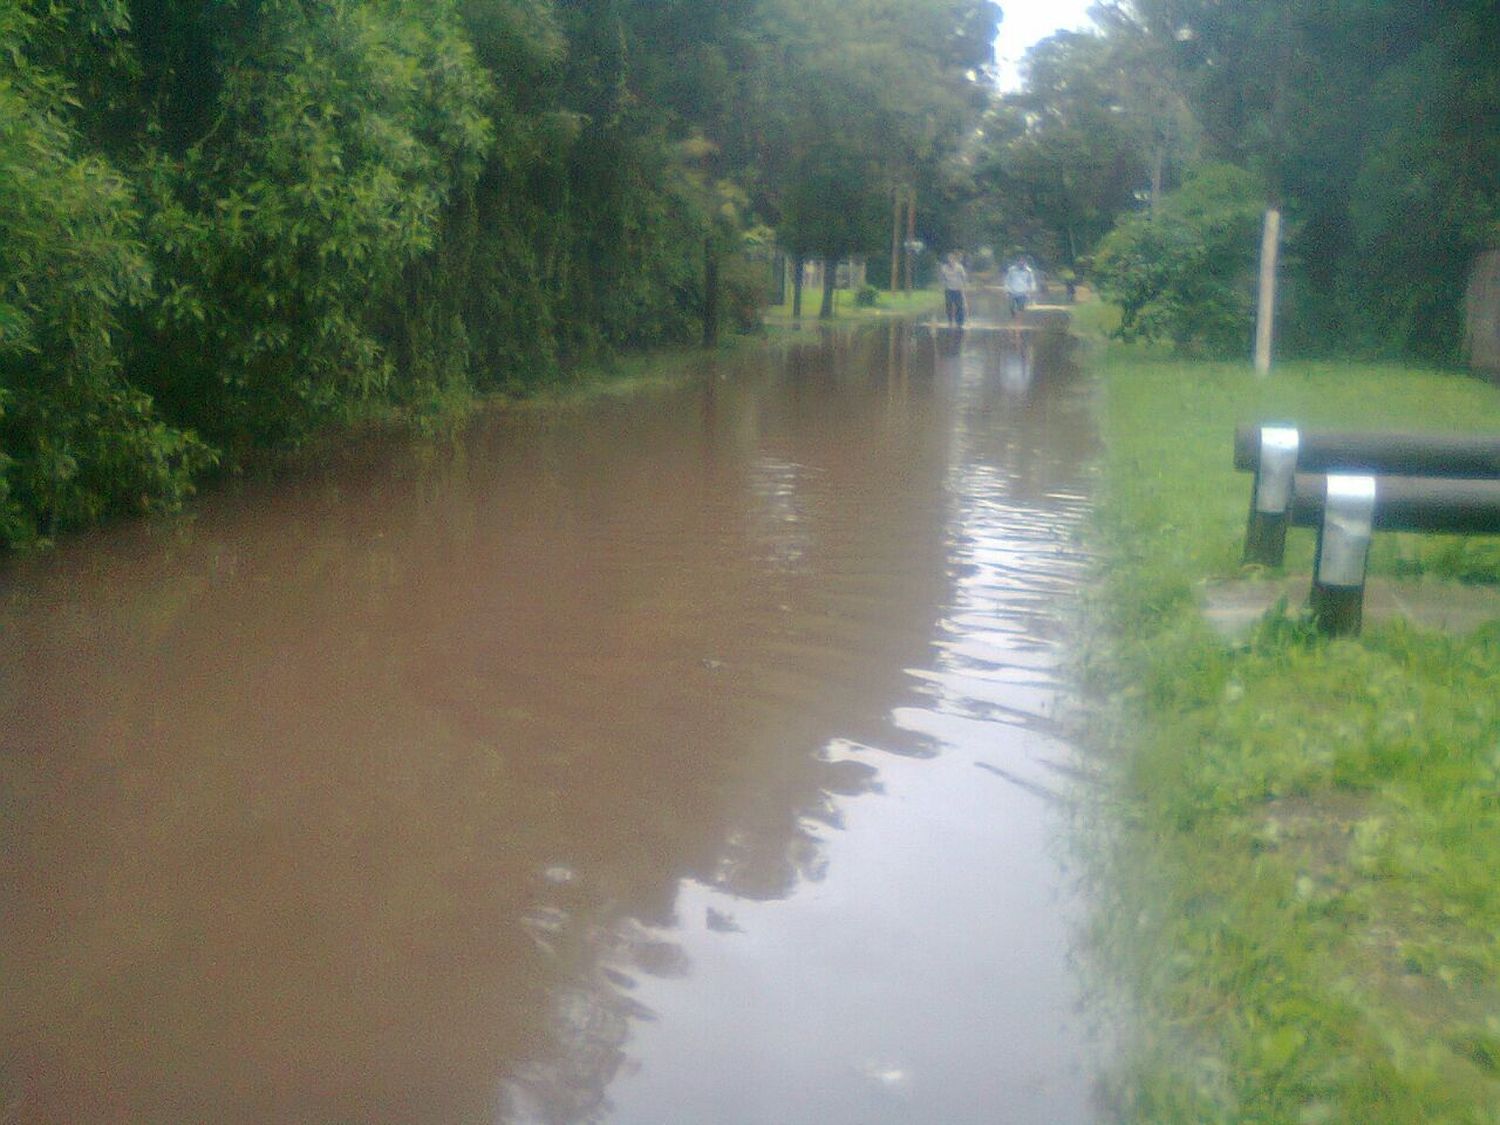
687, 758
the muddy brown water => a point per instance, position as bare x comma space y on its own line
686, 758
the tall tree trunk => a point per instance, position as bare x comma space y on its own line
830, 275
1159, 158
710, 293
797, 264
911, 232
898, 202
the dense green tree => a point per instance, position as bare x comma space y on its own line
1372, 123
1426, 198
1093, 134
866, 98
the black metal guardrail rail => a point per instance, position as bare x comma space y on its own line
1419, 504
1404, 453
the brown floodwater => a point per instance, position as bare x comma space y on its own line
690, 757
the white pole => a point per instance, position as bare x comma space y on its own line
1265, 315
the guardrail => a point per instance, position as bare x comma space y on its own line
1372, 481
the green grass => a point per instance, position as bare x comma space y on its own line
916, 303
660, 368
1298, 857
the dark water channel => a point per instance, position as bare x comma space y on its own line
686, 758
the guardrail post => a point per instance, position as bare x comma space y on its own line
1338, 588
1271, 495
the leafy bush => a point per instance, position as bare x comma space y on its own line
76, 441
866, 297
342, 129
742, 285
1186, 273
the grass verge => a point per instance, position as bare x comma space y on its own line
778, 318
1299, 838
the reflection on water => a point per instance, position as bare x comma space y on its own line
688, 758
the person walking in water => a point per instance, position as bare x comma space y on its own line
1020, 283
955, 281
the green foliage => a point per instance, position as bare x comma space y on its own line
254, 220
745, 281
867, 297
859, 99
1373, 123
76, 441
829, 208
340, 131
1062, 158
1425, 199
1185, 273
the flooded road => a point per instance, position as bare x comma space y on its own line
686, 758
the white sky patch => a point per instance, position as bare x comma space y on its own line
1028, 22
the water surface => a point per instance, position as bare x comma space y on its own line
685, 758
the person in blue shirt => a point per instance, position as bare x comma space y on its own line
1020, 284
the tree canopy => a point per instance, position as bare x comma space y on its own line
226, 226
1373, 125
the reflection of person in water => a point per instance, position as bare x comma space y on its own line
1015, 370
955, 281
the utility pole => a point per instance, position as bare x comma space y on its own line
1265, 314
710, 293
1158, 159
1270, 238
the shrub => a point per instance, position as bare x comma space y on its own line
742, 287
341, 131
76, 441
1186, 273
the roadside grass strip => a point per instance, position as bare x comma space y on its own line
1296, 850
919, 302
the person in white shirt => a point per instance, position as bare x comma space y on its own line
955, 281
1020, 283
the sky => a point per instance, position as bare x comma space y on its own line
1028, 22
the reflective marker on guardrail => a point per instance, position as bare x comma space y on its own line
1276, 467
1278, 464
1338, 587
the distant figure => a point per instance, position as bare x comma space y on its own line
1020, 283
955, 281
